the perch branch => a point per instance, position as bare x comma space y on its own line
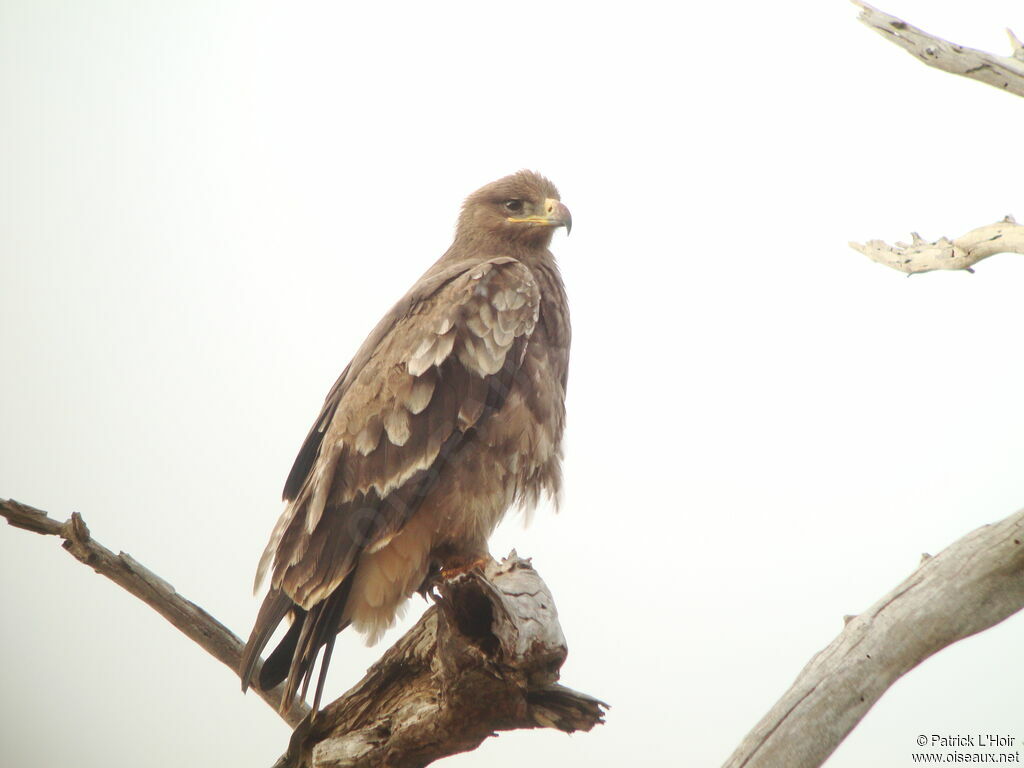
485, 658
125, 571
1003, 72
1006, 236
970, 586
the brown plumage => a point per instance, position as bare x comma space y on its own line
451, 412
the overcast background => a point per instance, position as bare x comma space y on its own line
205, 206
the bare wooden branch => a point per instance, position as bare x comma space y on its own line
970, 586
1005, 73
202, 628
1006, 236
484, 659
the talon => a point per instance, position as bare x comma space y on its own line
430, 582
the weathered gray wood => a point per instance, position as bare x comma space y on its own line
1003, 72
216, 639
485, 658
973, 584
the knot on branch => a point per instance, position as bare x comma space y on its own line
76, 537
503, 618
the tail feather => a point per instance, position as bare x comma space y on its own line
293, 659
324, 664
275, 666
325, 629
295, 656
319, 628
302, 657
275, 606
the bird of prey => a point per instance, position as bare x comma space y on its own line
450, 413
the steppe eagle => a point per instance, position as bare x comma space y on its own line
450, 413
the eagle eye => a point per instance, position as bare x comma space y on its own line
514, 206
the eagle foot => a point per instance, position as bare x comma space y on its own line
454, 568
457, 569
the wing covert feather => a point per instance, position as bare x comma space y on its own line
423, 379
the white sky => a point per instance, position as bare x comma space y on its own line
205, 206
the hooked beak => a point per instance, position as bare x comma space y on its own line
555, 215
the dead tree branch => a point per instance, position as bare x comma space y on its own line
1006, 236
485, 658
975, 583
1003, 72
212, 636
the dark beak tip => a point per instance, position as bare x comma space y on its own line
565, 216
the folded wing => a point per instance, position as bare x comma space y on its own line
429, 375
